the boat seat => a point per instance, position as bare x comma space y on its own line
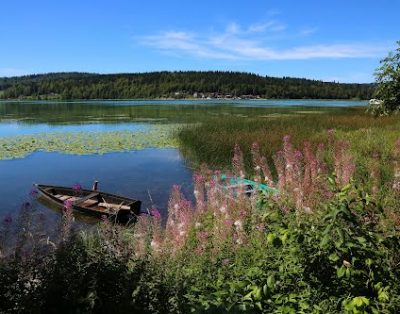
83, 199
88, 203
114, 206
65, 197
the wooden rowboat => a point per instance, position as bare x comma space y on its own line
91, 202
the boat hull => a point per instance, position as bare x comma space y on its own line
93, 203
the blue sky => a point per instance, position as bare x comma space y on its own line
325, 39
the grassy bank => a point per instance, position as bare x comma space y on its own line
328, 242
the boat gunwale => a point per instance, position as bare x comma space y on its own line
50, 197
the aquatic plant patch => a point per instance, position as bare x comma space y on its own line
159, 136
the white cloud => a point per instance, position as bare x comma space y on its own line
241, 43
233, 28
185, 43
270, 26
308, 31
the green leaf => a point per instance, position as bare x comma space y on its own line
341, 271
325, 240
270, 237
271, 281
348, 272
333, 257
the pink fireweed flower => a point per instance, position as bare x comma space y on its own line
237, 161
286, 138
202, 236
228, 222
155, 213
280, 169
180, 215
260, 164
298, 154
199, 191
198, 178
68, 204
331, 136
222, 209
212, 184
343, 162
77, 187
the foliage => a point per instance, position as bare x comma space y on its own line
388, 84
174, 84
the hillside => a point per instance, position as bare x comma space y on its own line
192, 84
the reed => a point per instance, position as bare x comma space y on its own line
212, 140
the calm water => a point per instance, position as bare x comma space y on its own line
229, 102
135, 173
111, 113
12, 128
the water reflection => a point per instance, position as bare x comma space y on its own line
176, 111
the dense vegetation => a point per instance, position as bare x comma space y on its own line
174, 85
388, 85
211, 141
327, 242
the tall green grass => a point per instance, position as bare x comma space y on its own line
212, 140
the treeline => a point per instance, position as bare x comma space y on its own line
191, 84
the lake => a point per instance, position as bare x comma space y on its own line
45, 142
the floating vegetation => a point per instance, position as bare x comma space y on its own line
81, 143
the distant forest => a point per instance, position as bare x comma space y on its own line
191, 84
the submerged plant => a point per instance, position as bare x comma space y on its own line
160, 136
